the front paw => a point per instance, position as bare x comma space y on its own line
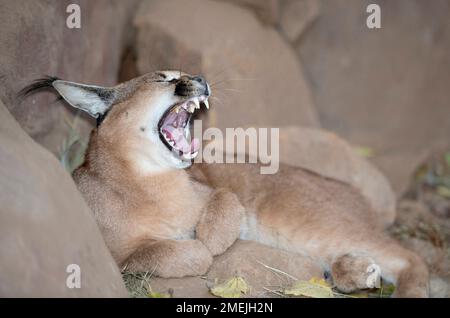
220, 225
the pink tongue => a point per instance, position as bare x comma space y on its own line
181, 143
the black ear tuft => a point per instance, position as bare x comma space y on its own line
37, 85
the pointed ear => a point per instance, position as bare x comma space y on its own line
95, 100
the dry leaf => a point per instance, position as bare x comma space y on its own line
314, 288
158, 295
232, 288
365, 152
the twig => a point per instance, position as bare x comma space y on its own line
274, 291
277, 271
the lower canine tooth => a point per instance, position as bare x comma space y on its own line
206, 103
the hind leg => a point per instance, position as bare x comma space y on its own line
400, 266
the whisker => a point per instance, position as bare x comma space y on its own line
218, 100
220, 72
233, 79
229, 89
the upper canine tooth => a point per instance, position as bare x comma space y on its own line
206, 103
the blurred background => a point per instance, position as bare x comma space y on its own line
272, 63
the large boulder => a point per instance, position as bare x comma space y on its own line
296, 16
382, 88
291, 17
35, 41
45, 226
254, 74
268, 11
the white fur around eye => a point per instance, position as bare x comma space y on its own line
170, 75
80, 97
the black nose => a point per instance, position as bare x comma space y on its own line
191, 85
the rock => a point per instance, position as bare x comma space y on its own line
246, 259
254, 74
45, 225
35, 41
185, 287
296, 16
382, 88
439, 288
399, 166
268, 11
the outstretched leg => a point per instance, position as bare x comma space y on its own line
171, 258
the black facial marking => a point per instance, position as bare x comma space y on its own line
106, 94
142, 128
161, 75
101, 117
183, 89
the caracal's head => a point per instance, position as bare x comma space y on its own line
146, 119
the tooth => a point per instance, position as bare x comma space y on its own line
206, 103
196, 102
191, 107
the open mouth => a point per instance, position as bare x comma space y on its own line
174, 128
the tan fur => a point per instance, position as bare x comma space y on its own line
172, 221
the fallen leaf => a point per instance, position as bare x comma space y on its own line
386, 291
232, 288
443, 191
365, 152
314, 288
319, 281
158, 295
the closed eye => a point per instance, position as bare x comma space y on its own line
161, 75
163, 78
